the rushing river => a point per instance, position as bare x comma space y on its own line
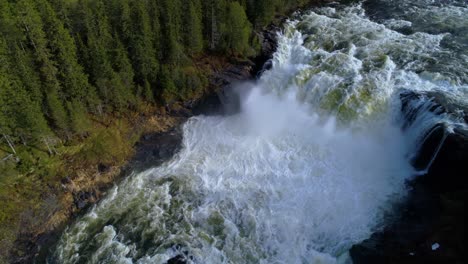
314, 162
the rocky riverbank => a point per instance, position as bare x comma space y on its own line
430, 224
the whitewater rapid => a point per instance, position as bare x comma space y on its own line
314, 162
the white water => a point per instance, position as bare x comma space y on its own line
311, 165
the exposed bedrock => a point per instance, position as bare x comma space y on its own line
430, 226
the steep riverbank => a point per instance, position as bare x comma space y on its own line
429, 225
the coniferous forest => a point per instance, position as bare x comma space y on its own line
67, 65
62, 61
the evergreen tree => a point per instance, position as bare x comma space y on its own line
79, 120
170, 18
168, 85
74, 81
24, 68
31, 23
20, 117
100, 42
5, 121
265, 11
214, 13
193, 29
141, 44
16, 51
154, 14
238, 29
123, 67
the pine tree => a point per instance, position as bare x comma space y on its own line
20, 117
74, 81
79, 121
123, 67
238, 29
214, 12
5, 121
265, 12
170, 18
141, 44
30, 21
154, 14
24, 68
193, 27
168, 85
99, 47
15, 50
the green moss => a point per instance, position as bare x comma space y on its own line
349, 107
216, 222
304, 76
206, 237
332, 100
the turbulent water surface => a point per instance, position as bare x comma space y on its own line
312, 164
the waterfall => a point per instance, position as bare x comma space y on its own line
313, 163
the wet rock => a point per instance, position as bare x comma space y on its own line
445, 151
449, 170
268, 43
413, 103
234, 73
155, 148
103, 168
179, 111
210, 105
433, 140
179, 259
268, 40
66, 180
434, 210
83, 198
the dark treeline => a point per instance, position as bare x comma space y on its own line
63, 61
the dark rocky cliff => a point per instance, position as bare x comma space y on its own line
430, 225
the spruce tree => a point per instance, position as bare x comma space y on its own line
238, 29
74, 81
30, 21
193, 27
214, 13
265, 11
170, 18
20, 116
141, 44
